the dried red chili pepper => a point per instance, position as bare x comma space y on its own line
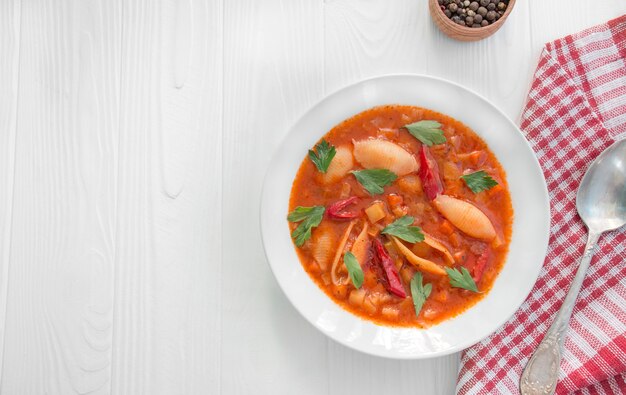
335, 210
391, 272
429, 174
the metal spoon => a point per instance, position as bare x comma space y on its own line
601, 203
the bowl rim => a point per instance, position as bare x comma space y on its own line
546, 221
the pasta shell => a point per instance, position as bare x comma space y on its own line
437, 245
361, 244
420, 263
322, 246
341, 164
465, 216
383, 154
340, 249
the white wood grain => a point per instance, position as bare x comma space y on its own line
9, 77
555, 19
134, 136
273, 72
168, 246
58, 320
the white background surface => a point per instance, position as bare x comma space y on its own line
133, 140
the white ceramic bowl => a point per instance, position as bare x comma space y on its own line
530, 225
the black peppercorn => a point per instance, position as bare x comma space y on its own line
473, 13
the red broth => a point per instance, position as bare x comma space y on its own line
463, 152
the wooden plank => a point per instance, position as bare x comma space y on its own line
168, 246
59, 303
558, 18
9, 75
273, 72
369, 39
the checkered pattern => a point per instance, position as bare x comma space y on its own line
576, 108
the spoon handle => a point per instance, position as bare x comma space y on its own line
542, 370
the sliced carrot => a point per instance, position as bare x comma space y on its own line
459, 256
394, 200
454, 240
446, 227
396, 203
476, 156
495, 189
441, 296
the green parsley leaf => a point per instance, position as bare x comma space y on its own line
461, 279
402, 228
373, 180
419, 292
324, 155
354, 269
300, 213
428, 132
310, 217
479, 181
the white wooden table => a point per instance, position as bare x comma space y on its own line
134, 136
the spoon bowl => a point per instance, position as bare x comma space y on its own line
601, 198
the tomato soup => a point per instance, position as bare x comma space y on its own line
401, 215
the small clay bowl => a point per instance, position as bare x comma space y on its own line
464, 33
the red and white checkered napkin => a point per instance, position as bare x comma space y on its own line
576, 108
